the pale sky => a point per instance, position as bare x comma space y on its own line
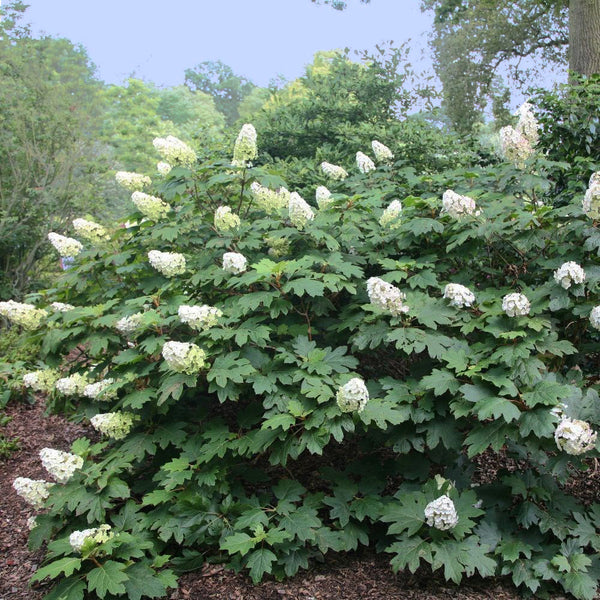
258, 38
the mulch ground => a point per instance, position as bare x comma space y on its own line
359, 576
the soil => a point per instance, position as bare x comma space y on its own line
358, 576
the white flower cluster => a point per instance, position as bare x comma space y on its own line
24, 315
61, 307
595, 317
269, 200
382, 152
199, 317
299, 210
517, 143
163, 168
127, 325
364, 163
569, 273
115, 425
184, 357
225, 220
353, 396
528, 124
234, 262
132, 181
441, 513
516, 305
174, 151
67, 247
574, 436
244, 150
90, 231
457, 206
61, 465
459, 295
90, 537
333, 171
99, 390
41, 381
33, 491
391, 215
323, 197
591, 200
151, 206
386, 296
73, 385
167, 263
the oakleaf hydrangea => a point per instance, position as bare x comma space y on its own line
353, 396
90, 231
73, 385
299, 210
595, 317
569, 273
334, 171
244, 150
33, 491
591, 200
199, 317
99, 390
441, 513
459, 295
167, 263
184, 357
61, 307
24, 315
364, 163
516, 305
574, 436
115, 425
268, 200
386, 296
128, 325
382, 153
67, 247
42, 380
323, 197
151, 206
174, 151
163, 168
61, 465
457, 205
234, 262
225, 220
90, 537
132, 181
391, 215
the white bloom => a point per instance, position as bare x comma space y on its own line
382, 152
132, 181
353, 396
457, 206
24, 315
591, 200
268, 200
174, 151
91, 537
225, 219
234, 262
67, 247
459, 295
62, 307
163, 168
387, 297
595, 317
527, 124
151, 206
61, 465
72, 385
516, 305
323, 197
89, 230
41, 381
128, 325
245, 149
99, 390
574, 436
441, 513
569, 273
31, 523
167, 263
115, 425
391, 215
514, 146
299, 210
364, 163
184, 357
33, 491
199, 317
333, 171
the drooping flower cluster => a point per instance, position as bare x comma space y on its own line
269, 200
574, 436
234, 262
528, 124
459, 295
33, 491
90, 537
591, 200
151, 206
99, 390
127, 325
441, 513
353, 396
67, 247
184, 357
391, 215
61, 307
364, 163
41, 381
244, 150
457, 205
90, 231
174, 151
225, 220
73, 385
61, 465
382, 152
132, 181
115, 425
24, 315
278, 247
334, 171
163, 168
517, 143
299, 210
323, 197
167, 263
569, 273
595, 317
386, 296
199, 317
516, 305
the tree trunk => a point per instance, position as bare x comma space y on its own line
584, 36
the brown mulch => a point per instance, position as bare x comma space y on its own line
359, 576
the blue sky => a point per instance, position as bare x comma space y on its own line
259, 39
